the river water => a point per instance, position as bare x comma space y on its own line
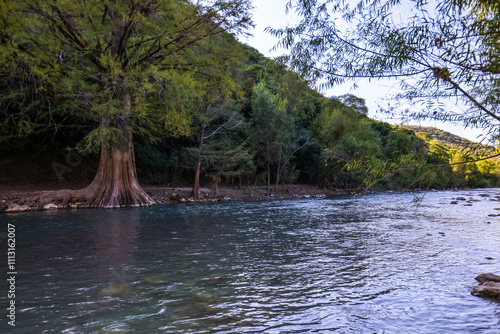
388, 263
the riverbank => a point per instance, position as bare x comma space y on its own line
172, 195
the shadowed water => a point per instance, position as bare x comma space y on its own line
373, 264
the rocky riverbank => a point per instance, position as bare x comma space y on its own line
10, 195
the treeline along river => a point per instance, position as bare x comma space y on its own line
387, 263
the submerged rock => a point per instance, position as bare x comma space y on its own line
214, 277
116, 289
153, 279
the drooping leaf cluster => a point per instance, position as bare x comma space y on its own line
437, 50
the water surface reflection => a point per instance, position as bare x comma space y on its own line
370, 264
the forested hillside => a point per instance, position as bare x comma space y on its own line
208, 111
444, 137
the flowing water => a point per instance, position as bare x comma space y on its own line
388, 263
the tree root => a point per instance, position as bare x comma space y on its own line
89, 197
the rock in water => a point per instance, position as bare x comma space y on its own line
488, 277
116, 289
487, 290
490, 287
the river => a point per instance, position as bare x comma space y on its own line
386, 263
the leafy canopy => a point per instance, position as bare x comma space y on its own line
137, 64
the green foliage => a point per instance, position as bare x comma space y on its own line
399, 143
152, 164
122, 64
272, 129
227, 160
439, 50
189, 92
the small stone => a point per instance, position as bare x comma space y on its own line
177, 198
461, 199
50, 206
454, 202
13, 207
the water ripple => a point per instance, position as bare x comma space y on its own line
372, 264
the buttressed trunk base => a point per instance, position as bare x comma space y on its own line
115, 184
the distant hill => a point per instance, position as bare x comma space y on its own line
444, 137
453, 141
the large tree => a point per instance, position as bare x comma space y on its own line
127, 66
436, 50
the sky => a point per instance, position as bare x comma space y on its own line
271, 13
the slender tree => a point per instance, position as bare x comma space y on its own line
273, 131
210, 114
127, 66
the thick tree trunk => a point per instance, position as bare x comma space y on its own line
115, 184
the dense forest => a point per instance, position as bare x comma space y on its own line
206, 111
